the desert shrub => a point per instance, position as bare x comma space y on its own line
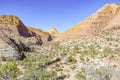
41, 74
93, 72
57, 65
3, 58
106, 52
76, 49
32, 49
71, 59
9, 71
73, 67
111, 56
80, 74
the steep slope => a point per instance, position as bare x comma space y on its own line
11, 25
45, 36
106, 17
10, 30
14, 35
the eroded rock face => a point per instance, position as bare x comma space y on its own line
12, 30
13, 27
7, 49
14, 35
23, 31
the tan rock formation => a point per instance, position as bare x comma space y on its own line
105, 18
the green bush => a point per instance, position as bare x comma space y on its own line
41, 74
9, 71
71, 59
3, 58
81, 74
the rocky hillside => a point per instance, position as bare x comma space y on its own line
90, 50
15, 36
105, 18
45, 36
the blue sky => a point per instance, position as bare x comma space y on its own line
62, 14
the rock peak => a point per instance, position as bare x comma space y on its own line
9, 19
113, 4
52, 30
107, 9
